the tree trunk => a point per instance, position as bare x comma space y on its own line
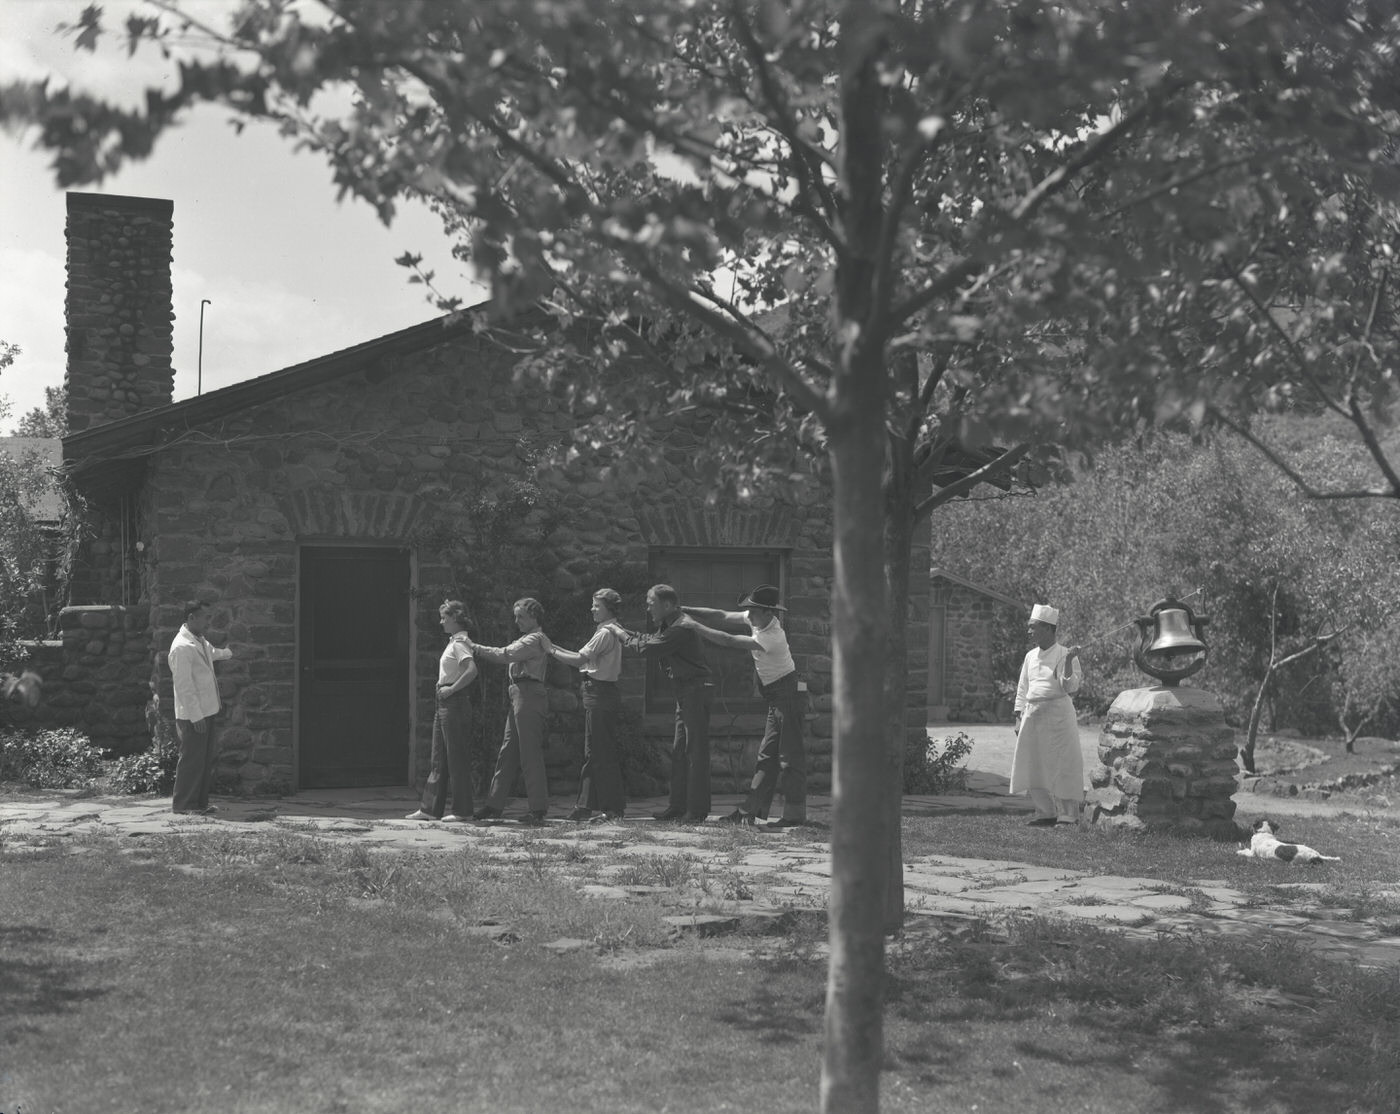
1247, 753
899, 531
860, 835
860, 828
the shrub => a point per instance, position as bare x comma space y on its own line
59, 758
151, 771
937, 768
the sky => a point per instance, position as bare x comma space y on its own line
290, 274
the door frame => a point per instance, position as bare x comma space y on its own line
305, 543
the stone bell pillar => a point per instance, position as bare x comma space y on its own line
1166, 755
1166, 760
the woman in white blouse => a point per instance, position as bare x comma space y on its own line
452, 723
1048, 765
600, 661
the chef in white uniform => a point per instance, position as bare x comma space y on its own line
1048, 766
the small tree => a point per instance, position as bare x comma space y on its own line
35, 552
1366, 687
50, 420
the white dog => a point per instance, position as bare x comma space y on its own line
1265, 844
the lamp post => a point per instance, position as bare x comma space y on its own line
199, 372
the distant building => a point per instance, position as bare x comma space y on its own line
962, 631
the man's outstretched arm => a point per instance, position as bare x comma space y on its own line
724, 638
713, 616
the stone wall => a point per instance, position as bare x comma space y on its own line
1166, 760
969, 680
118, 307
97, 676
393, 455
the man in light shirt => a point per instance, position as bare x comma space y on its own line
191, 660
1048, 765
601, 787
782, 755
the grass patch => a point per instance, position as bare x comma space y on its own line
1205, 1023
271, 972
1369, 846
1310, 761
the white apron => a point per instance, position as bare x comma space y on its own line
1048, 755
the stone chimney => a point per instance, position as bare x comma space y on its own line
118, 309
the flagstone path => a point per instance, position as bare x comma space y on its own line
785, 875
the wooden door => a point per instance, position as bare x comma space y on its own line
353, 723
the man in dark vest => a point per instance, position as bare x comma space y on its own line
676, 647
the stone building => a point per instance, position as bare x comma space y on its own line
963, 638
312, 504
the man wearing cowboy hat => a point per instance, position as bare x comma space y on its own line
782, 756
1048, 765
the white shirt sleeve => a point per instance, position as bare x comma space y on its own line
1070, 676
186, 693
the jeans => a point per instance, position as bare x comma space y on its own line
782, 756
194, 771
522, 747
600, 780
690, 750
451, 762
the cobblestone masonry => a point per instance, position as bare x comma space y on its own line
120, 323
969, 689
97, 676
1167, 759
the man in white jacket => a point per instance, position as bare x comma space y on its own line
191, 661
1048, 766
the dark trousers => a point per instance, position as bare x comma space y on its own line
782, 756
600, 786
194, 771
690, 751
527, 725
451, 763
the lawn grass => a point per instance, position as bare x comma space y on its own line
1368, 844
1371, 757
274, 972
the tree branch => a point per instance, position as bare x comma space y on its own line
1358, 416
1046, 188
1288, 342
968, 482
1187, 179
742, 332
1283, 466
808, 161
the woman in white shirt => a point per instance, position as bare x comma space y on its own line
601, 786
452, 724
1048, 765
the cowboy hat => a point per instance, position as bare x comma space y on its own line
765, 595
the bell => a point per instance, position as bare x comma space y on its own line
1173, 632
1171, 648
